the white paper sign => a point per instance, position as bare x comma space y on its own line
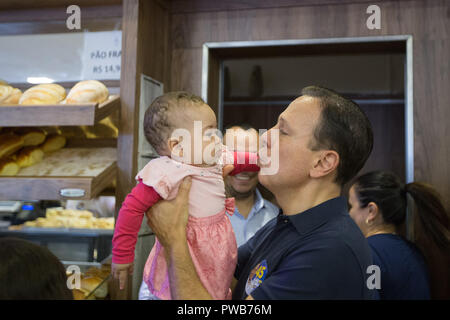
102, 55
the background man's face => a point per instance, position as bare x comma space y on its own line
244, 183
296, 126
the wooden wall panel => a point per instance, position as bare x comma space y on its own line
186, 6
432, 114
182, 78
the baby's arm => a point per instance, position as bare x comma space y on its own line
129, 221
244, 161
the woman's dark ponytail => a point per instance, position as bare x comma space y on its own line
431, 219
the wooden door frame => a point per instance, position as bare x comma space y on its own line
212, 76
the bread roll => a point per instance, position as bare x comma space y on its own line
91, 283
53, 142
13, 98
50, 93
51, 130
88, 91
102, 273
100, 130
29, 156
8, 167
31, 136
5, 92
72, 131
16, 227
9, 143
79, 294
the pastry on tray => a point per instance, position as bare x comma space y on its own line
87, 91
49, 93
9, 95
9, 144
8, 167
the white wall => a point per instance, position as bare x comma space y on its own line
58, 56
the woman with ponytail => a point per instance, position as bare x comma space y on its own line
416, 269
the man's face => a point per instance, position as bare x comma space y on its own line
296, 126
243, 183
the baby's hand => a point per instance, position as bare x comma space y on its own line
121, 271
227, 169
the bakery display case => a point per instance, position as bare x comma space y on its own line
58, 143
100, 137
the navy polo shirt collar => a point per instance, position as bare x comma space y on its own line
311, 219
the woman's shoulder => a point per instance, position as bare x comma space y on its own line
395, 248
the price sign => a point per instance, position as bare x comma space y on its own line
102, 54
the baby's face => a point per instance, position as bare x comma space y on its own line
196, 135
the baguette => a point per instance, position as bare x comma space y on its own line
8, 167
53, 142
50, 93
10, 143
29, 156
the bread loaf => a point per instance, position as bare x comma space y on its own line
91, 283
50, 93
53, 142
79, 294
8, 167
10, 143
72, 131
13, 98
88, 91
5, 92
29, 156
31, 136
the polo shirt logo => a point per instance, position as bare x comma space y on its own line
256, 277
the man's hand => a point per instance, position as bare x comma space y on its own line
168, 219
121, 272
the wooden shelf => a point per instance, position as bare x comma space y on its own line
88, 170
57, 114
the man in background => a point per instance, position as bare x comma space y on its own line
252, 211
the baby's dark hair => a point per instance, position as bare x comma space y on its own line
157, 124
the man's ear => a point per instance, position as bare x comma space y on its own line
326, 162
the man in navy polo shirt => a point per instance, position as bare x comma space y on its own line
313, 249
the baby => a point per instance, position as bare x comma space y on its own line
210, 236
